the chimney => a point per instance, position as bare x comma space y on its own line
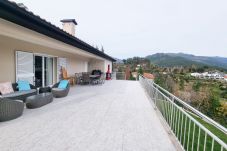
21, 5
69, 26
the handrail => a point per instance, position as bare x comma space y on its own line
194, 120
198, 113
176, 117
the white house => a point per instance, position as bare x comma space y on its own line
32, 48
195, 74
225, 78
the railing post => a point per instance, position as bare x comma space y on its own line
171, 116
156, 97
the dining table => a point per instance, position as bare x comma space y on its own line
94, 78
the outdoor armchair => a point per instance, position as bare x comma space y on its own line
85, 78
10, 109
59, 93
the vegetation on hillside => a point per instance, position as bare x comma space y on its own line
208, 96
180, 59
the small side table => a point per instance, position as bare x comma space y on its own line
44, 90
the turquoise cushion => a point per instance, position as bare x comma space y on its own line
63, 84
23, 86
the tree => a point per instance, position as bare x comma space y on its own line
140, 71
196, 86
201, 69
181, 84
170, 84
214, 102
131, 77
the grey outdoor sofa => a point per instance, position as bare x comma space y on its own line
20, 95
10, 109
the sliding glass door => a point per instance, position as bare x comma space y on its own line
38, 71
48, 68
43, 71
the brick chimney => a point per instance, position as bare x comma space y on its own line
69, 26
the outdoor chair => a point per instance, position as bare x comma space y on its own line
59, 93
85, 78
10, 109
102, 79
78, 78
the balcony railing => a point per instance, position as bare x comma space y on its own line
190, 133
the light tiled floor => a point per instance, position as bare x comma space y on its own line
116, 116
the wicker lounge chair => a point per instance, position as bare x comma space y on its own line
59, 93
10, 109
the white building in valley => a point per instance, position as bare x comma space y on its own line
208, 75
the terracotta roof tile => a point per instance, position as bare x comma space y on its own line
148, 75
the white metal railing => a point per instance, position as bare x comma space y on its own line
190, 108
191, 134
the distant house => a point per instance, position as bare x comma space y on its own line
134, 74
208, 75
225, 77
149, 76
195, 74
164, 72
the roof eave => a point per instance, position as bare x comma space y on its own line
11, 12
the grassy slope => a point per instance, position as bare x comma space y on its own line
213, 129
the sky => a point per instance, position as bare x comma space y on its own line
128, 28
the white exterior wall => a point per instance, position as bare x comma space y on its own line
76, 65
96, 65
14, 37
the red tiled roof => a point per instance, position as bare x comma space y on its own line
225, 76
148, 75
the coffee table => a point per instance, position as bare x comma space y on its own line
39, 100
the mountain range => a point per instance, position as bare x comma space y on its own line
181, 59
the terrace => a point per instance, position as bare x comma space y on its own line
115, 116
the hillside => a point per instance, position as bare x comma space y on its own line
180, 59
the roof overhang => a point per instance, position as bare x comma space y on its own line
12, 12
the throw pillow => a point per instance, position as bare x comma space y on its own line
23, 85
63, 84
6, 88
